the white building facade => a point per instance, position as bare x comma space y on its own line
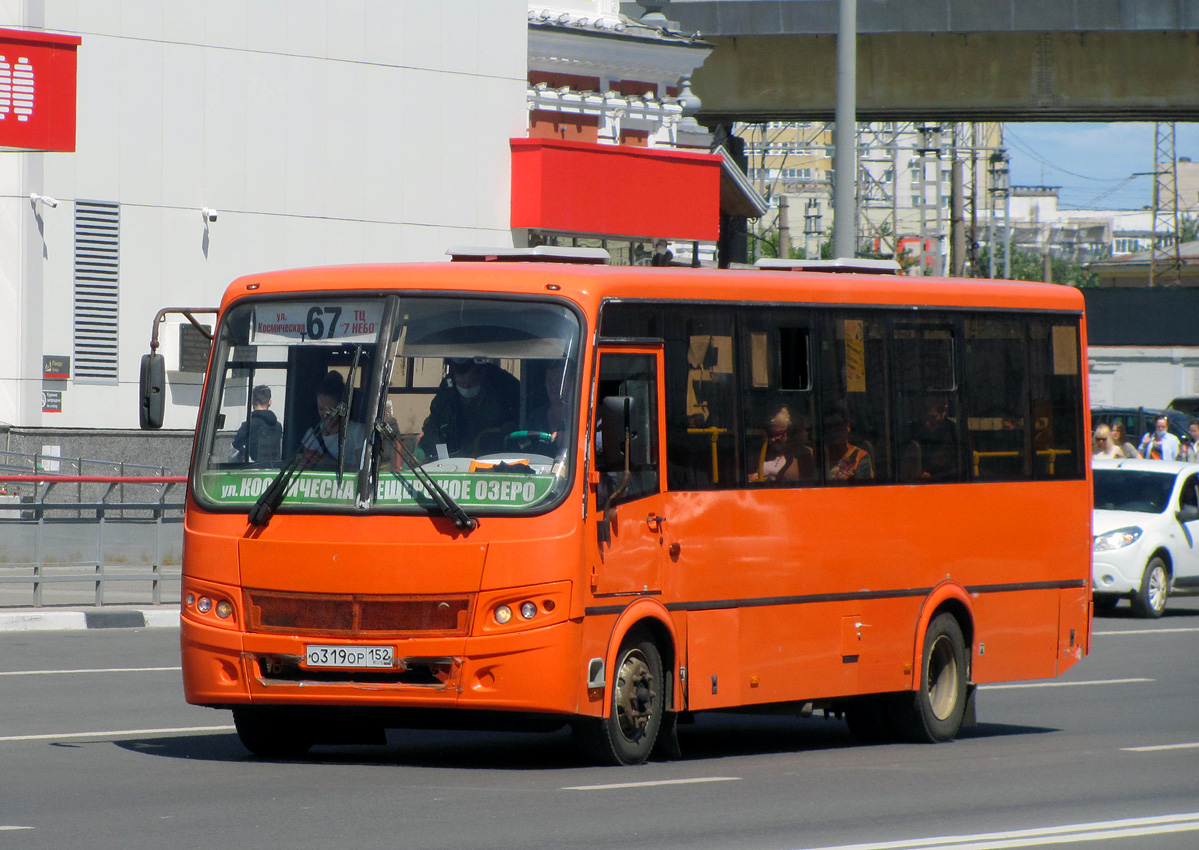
221, 138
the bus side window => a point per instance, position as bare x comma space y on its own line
701, 401
1056, 377
777, 398
928, 419
854, 400
995, 398
631, 376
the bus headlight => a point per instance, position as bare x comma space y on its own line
528, 610
203, 604
503, 615
224, 609
1117, 539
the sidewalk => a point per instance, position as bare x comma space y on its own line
108, 617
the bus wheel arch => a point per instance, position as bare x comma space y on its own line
936, 707
934, 711
638, 690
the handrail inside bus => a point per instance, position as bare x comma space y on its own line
714, 434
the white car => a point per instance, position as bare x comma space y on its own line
1146, 533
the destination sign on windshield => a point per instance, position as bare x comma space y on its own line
316, 321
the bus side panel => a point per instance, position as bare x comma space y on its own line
1016, 635
1074, 630
801, 651
815, 571
713, 658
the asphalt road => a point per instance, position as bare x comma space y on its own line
98, 750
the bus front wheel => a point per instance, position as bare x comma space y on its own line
272, 733
627, 734
935, 710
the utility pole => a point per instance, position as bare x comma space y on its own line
845, 218
1000, 232
784, 227
957, 219
1165, 256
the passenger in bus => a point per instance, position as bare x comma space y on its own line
476, 406
260, 437
323, 440
936, 434
843, 460
786, 455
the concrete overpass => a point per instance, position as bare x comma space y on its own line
950, 60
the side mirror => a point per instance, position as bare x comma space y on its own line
152, 395
616, 418
1188, 513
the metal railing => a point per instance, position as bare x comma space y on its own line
37, 463
90, 539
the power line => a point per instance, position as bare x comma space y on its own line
1023, 146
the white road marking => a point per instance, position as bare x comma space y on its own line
116, 733
1063, 684
4, 828
92, 670
652, 784
1148, 632
1097, 831
1160, 747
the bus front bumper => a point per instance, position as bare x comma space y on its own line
537, 670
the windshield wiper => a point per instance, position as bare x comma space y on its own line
273, 495
444, 501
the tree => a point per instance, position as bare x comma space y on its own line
1030, 265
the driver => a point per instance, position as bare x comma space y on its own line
476, 406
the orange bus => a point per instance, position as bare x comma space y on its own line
509, 491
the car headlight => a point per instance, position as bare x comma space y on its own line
1117, 539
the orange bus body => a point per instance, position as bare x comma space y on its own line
751, 596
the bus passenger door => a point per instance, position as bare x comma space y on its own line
626, 537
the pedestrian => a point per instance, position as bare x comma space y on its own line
1160, 444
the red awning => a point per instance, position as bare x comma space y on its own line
615, 190
37, 90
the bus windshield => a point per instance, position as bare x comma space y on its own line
344, 397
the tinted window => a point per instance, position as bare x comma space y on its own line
1128, 490
995, 398
633, 377
854, 441
701, 400
1056, 377
776, 356
928, 423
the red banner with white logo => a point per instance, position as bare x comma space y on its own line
37, 90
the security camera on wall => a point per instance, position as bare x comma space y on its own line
209, 214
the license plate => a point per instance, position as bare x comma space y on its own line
349, 656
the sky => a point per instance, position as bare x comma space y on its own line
1092, 164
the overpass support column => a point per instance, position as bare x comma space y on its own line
845, 217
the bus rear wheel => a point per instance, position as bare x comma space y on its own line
934, 711
627, 734
270, 732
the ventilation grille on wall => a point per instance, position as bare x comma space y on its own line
97, 237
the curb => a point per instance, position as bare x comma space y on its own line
33, 620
